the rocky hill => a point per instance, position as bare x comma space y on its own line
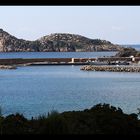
57, 42
9, 43
127, 52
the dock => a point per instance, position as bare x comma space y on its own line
60, 61
45, 61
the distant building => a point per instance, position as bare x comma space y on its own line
132, 58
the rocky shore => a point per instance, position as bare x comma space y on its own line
7, 67
111, 68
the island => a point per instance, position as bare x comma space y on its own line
56, 42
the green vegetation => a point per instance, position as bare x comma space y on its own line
100, 119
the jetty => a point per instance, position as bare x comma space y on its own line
45, 61
61, 61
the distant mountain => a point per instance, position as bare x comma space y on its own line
57, 42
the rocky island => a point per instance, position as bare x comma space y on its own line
127, 52
57, 42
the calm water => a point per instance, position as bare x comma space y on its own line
55, 54
60, 54
137, 47
38, 89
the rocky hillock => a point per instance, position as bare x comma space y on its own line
72, 42
9, 43
127, 52
57, 42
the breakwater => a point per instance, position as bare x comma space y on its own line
111, 68
7, 67
15, 61
64, 61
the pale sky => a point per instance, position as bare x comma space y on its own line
118, 24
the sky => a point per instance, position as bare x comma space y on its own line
118, 24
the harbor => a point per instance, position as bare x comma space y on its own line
113, 64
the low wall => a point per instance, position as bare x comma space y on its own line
11, 61
31, 60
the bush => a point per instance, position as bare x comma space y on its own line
100, 119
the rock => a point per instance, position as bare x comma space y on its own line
127, 52
55, 42
111, 68
73, 42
